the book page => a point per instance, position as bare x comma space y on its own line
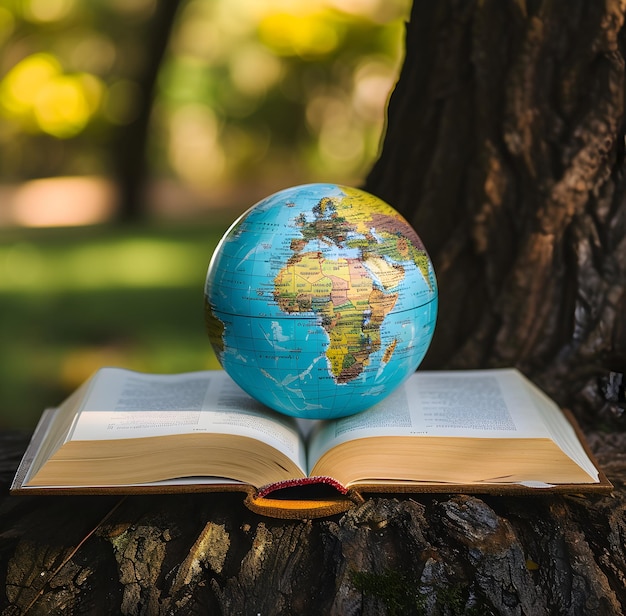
125, 404
561, 430
473, 403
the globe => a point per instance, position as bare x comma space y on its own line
320, 300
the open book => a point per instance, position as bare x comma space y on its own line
476, 431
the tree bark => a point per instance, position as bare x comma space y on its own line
505, 149
207, 554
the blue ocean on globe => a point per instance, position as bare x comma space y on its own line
320, 300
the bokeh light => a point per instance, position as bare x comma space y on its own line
37, 94
270, 92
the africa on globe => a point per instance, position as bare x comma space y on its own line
320, 300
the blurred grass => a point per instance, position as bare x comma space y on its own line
75, 299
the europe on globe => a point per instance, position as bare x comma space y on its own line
320, 300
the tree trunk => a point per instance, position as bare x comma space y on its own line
130, 144
505, 149
207, 554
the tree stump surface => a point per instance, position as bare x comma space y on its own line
208, 554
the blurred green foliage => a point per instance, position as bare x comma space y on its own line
73, 300
247, 88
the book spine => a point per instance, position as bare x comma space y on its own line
295, 483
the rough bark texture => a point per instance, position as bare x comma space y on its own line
207, 554
505, 148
